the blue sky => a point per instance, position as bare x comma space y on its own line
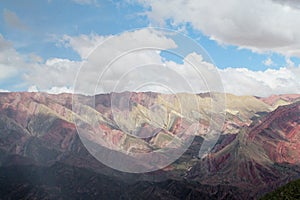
36, 28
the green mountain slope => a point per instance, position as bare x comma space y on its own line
290, 191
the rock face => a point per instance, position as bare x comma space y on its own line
279, 133
284, 99
41, 155
263, 155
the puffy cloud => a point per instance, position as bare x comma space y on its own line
259, 25
127, 72
199, 75
54, 72
83, 44
57, 75
6, 72
33, 71
117, 56
242, 81
52, 90
291, 3
59, 90
268, 62
35, 58
11, 62
289, 62
11, 19
130, 71
1, 90
33, 88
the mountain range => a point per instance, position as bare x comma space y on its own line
42, 156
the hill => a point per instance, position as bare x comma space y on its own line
41, 152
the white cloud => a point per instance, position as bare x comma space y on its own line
6, 72
35, 58
268, 62
242, 81
11, 62
239, 81
33, 71
33, 88
289, 3
83, 44
59, 90
57, 75
259, 25
1, 90
55, 72
289, 62
99, 62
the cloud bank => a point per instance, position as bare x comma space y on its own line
240, 81
259, 25
57, 75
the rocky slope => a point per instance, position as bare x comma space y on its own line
42, 156
264, 155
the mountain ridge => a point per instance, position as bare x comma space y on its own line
38, 129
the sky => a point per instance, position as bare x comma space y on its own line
253, 46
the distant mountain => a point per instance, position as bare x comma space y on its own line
41, 155
279, 100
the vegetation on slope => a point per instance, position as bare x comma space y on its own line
290, 191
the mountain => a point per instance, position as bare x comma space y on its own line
42, 155
264, 155
288, 191
279, 100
